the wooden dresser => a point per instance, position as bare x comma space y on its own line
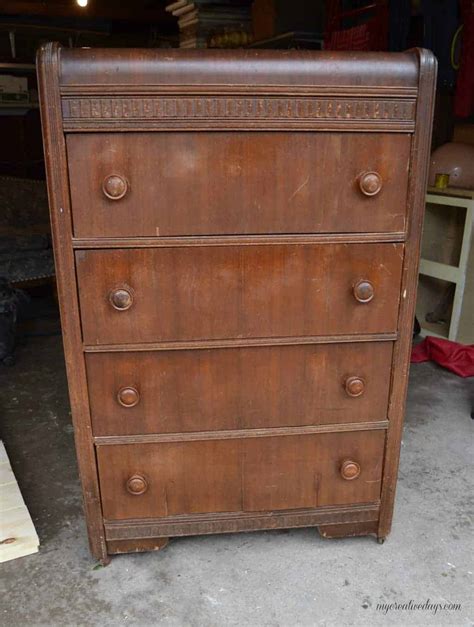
237, 238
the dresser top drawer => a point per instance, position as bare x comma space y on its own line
195, 183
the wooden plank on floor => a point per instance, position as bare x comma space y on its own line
18, 535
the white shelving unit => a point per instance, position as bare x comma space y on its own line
463, 199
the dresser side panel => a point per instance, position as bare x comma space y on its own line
60, 212
401, 358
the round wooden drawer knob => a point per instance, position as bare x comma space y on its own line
115, 186
370, 183
363, 291
350, 470
121, 299
354, 386
128, 397
137, 484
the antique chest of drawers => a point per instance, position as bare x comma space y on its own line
236, 237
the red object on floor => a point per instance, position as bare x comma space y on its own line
459, 358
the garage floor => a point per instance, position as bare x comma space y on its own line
267, 578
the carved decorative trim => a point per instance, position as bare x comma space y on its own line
110, 110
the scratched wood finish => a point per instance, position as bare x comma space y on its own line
242, 388
216, 198
171, 193
249, 475
234, 292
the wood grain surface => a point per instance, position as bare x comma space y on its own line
237, 292
240, 388
231, 183
244, 475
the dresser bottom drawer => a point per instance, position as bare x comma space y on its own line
240, 475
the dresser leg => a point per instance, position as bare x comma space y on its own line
98, 549
104, 561
115, 547
347, 530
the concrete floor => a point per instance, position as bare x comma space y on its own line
267, 578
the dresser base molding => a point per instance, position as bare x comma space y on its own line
342, 530
131, 533
205, 524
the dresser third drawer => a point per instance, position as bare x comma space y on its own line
238, 388
200, 293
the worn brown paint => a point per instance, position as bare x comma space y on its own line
169, 186
237, 238
251, 474
240, 388
237, 292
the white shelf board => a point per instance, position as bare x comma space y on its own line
18, 535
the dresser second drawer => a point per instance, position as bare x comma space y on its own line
225, 292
